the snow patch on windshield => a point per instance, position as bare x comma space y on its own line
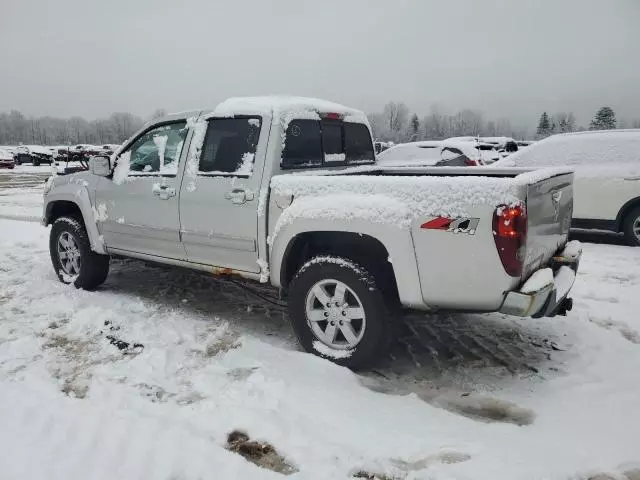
254, 122
121, 172
161, 144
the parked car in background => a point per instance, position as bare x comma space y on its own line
504, 145
34, 154
488, 151
6, 159
524, 143
435, 153
380, 147
607, 176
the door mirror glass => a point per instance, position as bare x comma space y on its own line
100, 165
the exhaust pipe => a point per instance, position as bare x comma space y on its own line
565, 306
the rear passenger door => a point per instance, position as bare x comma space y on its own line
219, 194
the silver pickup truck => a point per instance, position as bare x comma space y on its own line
286, 190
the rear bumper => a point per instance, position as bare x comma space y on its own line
551, 298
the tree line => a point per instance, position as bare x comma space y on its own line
394, 123
16, 129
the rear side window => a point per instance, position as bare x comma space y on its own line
229, 146
314, 143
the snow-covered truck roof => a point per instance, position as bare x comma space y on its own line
283, 107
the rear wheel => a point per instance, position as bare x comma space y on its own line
36, 162
73, 260
631, 227
338, 312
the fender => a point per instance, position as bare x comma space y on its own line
76, 192
397, 241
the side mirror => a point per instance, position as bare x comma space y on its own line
100, 165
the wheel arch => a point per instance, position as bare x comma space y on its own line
76, 203
624, 211
364, 249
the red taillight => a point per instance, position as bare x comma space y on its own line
470, 163
331, 116
510, 235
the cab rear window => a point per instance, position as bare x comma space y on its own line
317, 143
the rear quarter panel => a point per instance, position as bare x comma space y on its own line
461, 270
397, 241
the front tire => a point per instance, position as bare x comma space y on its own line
631, 227
73, 260
338, 312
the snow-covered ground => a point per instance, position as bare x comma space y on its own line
146, 377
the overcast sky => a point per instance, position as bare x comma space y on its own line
508, 58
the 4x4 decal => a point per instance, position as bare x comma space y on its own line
454, 225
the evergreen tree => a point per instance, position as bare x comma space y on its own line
544, 125
605, 119
414, 128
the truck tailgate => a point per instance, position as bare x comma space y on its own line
549, 211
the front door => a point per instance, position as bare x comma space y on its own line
137, 209
219, 198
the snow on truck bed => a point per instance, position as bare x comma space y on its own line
395, 199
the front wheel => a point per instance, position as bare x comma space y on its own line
73, 260
338, 312
631, 227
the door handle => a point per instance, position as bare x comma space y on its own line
164, 192
238, 196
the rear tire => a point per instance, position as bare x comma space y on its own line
631, 227
338, 312
36, 163
73, 260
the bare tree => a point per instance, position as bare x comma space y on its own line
396, 116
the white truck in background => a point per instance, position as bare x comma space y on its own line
286, 190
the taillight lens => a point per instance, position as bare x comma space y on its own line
510, 235
470, 163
